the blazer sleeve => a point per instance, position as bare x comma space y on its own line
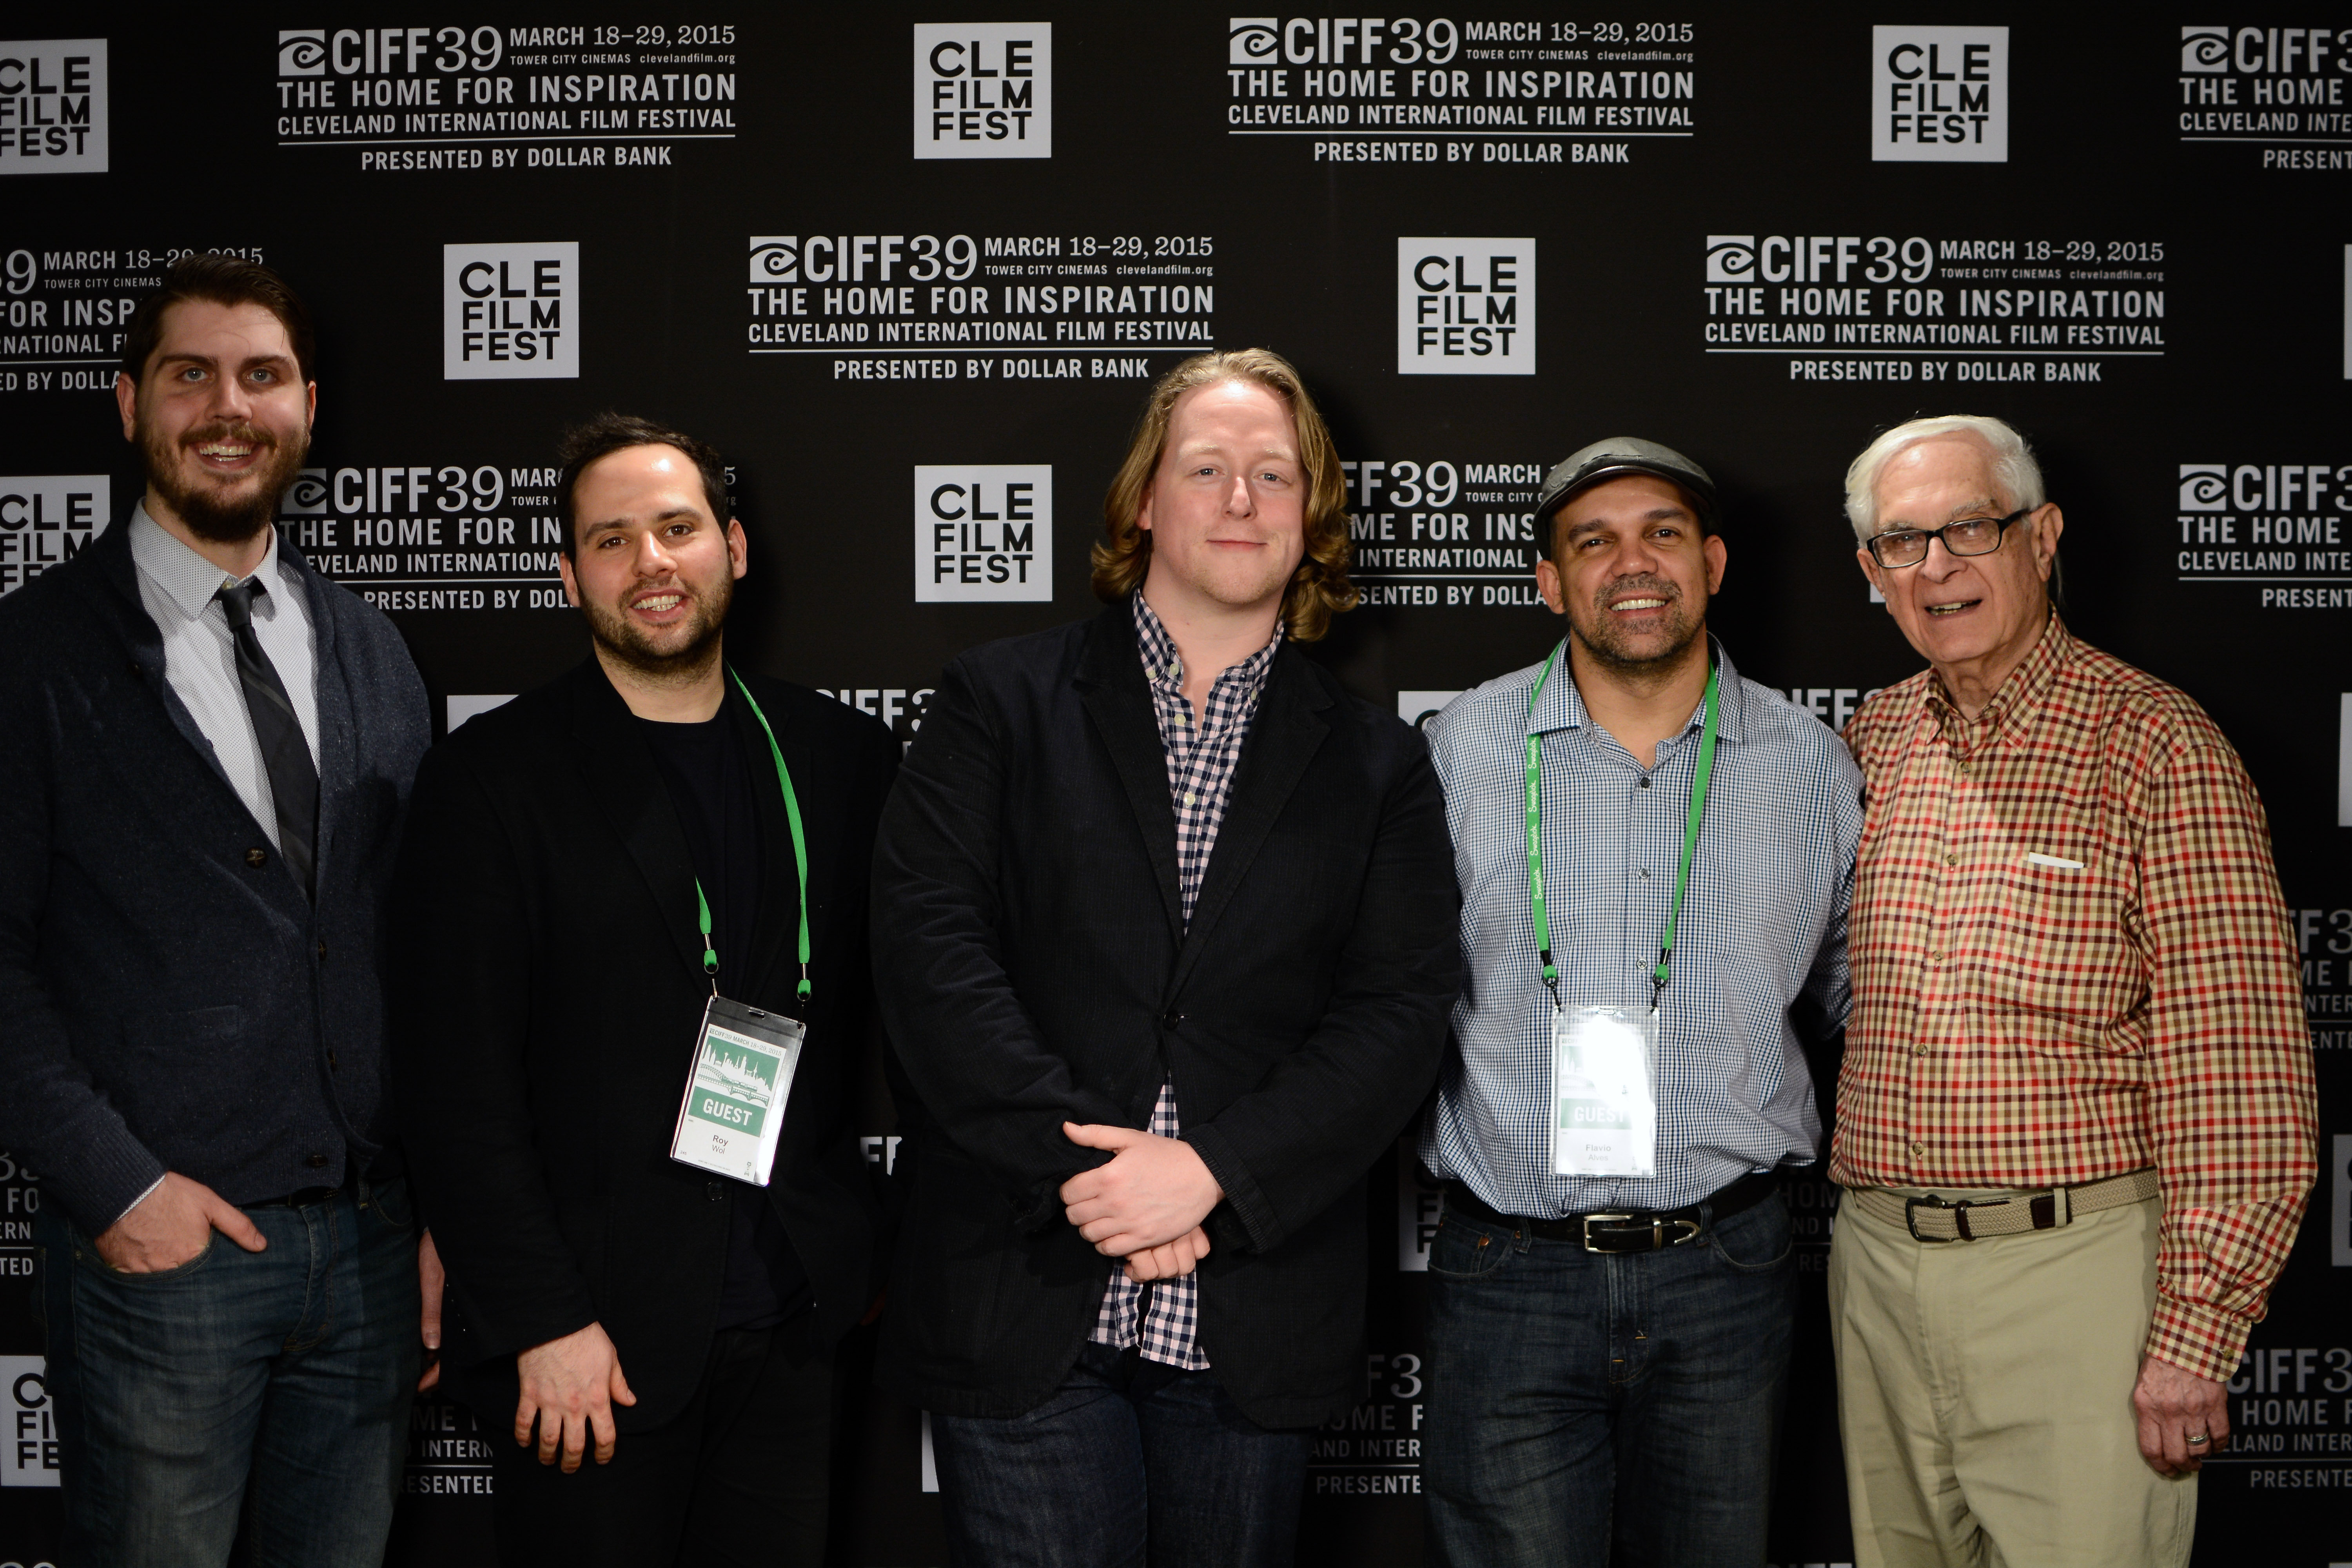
52, 1116
974, 1056
460, 1013
1290, 1149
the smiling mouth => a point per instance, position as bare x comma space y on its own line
1638, 604
1953, 608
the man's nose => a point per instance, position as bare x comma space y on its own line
1940, 563
654, 557
1239, 500
231, 398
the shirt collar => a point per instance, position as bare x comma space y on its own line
1163, 666
187, 579
1561, 705
2020, 691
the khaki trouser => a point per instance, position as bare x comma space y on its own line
1984, 1396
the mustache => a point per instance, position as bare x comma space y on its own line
230, 430
1643, 585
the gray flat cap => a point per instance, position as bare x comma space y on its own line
1615, 457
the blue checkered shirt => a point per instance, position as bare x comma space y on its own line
1759, 953
1201, 756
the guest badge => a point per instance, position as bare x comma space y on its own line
733, 1112
1604, 1109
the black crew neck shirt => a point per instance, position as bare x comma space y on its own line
711, 777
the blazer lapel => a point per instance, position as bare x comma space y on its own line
1110, 683
622, 776
1283, 737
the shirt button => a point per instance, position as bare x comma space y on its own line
1918, 1149
1643, 872
1645, 784
1918, 1050
256, 859
1965, 766
1191, 799
1936, 958
1951, 859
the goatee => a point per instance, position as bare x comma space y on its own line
211, 511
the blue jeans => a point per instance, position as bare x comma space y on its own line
1130, 1462
1578, 1401
262, 1392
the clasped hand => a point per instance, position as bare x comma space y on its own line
1147, 1204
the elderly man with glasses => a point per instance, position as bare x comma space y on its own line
2075, 1117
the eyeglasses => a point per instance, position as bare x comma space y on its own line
1970, 536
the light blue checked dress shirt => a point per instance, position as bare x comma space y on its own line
1760, 953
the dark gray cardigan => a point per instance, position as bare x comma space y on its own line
168, 998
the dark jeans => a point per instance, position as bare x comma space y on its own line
737, 1479
267, 1391
1130, 1462
1575, 1397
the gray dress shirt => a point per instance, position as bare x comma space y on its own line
181, 589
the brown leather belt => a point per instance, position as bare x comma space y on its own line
1625, 1230
1931, 1219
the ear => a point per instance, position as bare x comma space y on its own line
2049, 522
126, 402
1714, 552
1549, 584
311, 394
1143, 510
739, 550
570, 582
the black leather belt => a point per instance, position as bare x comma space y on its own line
1625, 1230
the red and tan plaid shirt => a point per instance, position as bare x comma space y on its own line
2070, 960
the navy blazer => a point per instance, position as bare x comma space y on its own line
168, 999
549, 985
1035, 968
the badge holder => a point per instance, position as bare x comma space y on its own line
733, 1112
1605, 1105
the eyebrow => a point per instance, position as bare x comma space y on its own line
613, 523
1965, 509
208, 362
1655, 514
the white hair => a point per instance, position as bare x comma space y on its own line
2013, 468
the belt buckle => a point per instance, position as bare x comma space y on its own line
1911, 1208
1659, 1240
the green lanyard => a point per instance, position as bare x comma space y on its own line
800, 854
1659, 975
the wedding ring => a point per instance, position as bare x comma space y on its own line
2201, 1437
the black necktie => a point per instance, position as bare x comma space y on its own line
293, 778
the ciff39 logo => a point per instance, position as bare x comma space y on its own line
1939, 95
511, 312
1465, 307
983, 89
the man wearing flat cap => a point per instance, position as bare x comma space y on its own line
1655, 858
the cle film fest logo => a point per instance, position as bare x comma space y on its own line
983, 89
1939, 95
510, 311
1465, 307
53, 107
984, 532
46, 520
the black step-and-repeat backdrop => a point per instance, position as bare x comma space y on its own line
912, 270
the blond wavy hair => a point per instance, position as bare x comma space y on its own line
1320, 589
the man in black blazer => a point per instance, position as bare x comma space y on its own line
555, 958
205, 750
1164, 934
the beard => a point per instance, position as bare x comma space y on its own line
676, 653
1612, 646
223, 515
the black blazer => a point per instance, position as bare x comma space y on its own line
548, 986
168, 996
1034, 969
